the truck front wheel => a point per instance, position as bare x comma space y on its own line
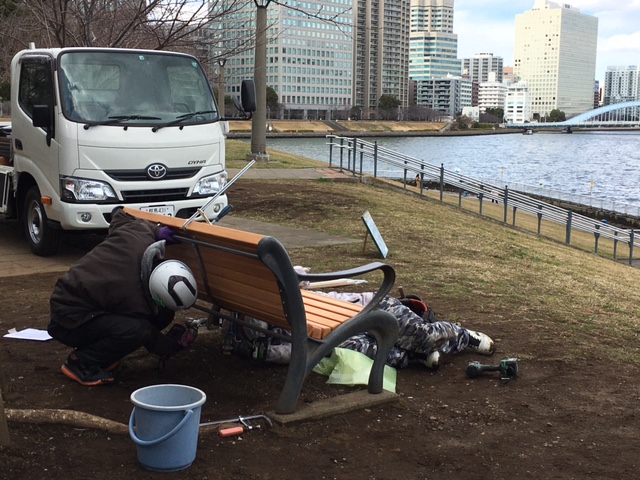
43, 239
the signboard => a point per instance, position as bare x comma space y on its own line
375, 234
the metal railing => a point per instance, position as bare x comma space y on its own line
584, 200
359, 157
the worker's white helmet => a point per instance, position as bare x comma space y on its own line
173, 285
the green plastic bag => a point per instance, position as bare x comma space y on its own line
348, 367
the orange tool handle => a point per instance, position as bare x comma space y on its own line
229, 432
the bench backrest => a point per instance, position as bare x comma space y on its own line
253, 275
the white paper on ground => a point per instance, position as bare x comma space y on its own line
29, 334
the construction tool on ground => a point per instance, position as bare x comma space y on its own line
227, 432
508, 369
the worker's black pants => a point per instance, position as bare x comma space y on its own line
109, 337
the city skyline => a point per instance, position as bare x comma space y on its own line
618, 29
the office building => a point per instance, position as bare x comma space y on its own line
491, 94
555, 53
380, 52
621, 84
309, 61
448, 95
478, 67
433, 45
517, 103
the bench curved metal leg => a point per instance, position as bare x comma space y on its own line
386, 335
296, 374
382, 325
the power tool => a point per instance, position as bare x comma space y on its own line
508, 369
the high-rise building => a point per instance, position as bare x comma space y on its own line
555, 53
478, 67
433, 45
309, 61
621, 84
381, 52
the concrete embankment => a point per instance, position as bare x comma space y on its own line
360, 129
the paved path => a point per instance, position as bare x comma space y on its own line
16, 257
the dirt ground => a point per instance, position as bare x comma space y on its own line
557, 420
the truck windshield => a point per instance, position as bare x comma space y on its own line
148, 89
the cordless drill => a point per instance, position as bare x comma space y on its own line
508, 369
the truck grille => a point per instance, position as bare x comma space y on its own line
141, 174
154, 196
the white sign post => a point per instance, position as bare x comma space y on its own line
375, 234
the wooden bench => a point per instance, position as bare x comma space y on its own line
252, 275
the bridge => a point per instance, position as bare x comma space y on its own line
625, 114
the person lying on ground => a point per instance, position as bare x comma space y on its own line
118, 298
421, 340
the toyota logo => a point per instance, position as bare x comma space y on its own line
156, 171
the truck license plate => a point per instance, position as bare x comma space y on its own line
160, 209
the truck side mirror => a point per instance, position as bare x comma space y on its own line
248, 96
42, 119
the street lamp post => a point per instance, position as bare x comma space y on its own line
259, 119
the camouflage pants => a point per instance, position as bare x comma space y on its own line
416, 340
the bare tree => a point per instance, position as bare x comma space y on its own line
182, 25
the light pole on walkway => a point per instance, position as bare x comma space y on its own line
259, 119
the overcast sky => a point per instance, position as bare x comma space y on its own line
488, 26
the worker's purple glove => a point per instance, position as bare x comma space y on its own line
165, 233
182, 337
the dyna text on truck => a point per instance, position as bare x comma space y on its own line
94, 128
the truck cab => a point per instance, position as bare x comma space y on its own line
95, 128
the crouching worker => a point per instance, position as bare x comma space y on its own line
118, 298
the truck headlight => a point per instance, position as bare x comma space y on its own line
83, 190
211, 184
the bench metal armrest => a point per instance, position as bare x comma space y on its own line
385, 287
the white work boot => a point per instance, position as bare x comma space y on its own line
481, 343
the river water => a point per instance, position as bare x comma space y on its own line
600, 164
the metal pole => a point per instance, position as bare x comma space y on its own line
539, 219
568, 236
506, 201
631, 241
331, 150
597, 235
200, 211
441, 182
375, 159
361, 158
480, 198
259, 119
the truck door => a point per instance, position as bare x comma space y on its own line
36, 150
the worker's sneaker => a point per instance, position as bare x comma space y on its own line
88, 376
481, 343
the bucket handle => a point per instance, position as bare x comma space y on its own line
150, 443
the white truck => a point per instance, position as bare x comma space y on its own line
95, 128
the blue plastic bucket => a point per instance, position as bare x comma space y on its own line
164, 424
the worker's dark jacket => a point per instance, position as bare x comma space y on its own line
107, 279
